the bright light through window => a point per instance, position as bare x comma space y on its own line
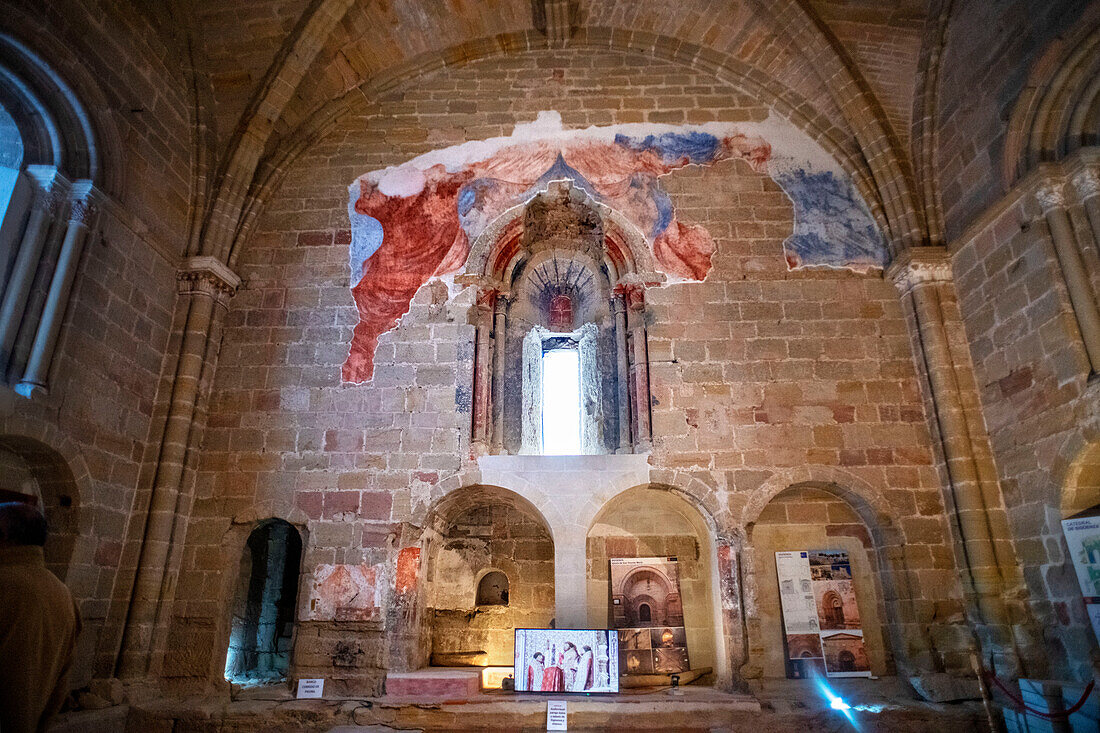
561, 402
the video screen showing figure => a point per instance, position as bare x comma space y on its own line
566, 660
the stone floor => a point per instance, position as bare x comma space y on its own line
779, 706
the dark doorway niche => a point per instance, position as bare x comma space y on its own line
263, 614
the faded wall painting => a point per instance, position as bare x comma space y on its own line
417, 221
345, 593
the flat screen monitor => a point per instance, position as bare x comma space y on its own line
567, 660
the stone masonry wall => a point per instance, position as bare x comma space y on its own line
757, 373
104, 377
989, 53
1039, 408
501, 538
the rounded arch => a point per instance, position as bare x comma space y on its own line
488, 568
864, 499
660, 520
852, 518
48, 483
492, 587
1081, 488
465, 497
265, 603
495, 254
59, 110
1058, 110
63, 478
1073, 481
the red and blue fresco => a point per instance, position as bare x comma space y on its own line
416, 221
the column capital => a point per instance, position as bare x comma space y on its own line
919, 265
51, 188
633, 295
84, 203
207, 274
1087, 183
486, 299
1051, 194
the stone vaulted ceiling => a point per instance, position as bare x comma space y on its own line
272, 74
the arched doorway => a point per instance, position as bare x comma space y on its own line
33, 472
262, 628
489, 570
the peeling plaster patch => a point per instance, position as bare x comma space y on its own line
414, 222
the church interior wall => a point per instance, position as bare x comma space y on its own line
770, 379
811, 366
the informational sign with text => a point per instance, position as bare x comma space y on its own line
311, 688
556, 718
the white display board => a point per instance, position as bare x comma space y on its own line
820, 614
1083, 540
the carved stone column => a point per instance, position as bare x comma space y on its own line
483, 365
918, 274
1051, 198
50, 201
1087, 184
205, 282
83, 210
618, 307
500, 341
639, 366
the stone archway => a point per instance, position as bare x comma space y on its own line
646, 521
33, 472
815, 516
477, 536
264, 611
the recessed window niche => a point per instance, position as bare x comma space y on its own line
560, 354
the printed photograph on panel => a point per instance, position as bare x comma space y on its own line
645, 591
845, 655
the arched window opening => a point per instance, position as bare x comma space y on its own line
560, 336
11, 161
836, 611
49, 168
263, 615
492, 589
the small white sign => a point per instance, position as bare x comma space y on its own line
311, 688
555, 715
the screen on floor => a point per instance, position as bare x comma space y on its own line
567, 660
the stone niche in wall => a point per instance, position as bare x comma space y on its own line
483, 540
436, 216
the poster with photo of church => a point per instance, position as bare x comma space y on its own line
649, 614
820, 614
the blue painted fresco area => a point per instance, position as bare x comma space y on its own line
366, 238
697, 147
832, 224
